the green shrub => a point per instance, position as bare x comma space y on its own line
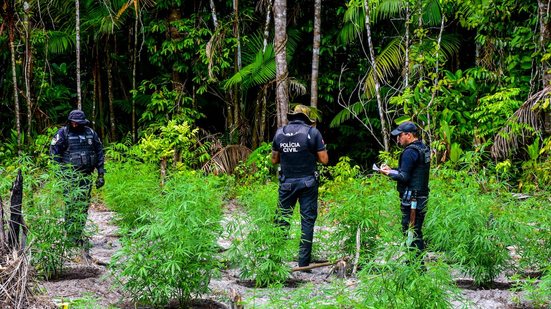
131, 190
258, 167
530, 226
173, 255
537, 293
390, 282
467, 226
360, 203
334, 295
46, 233
352, 202
259, 247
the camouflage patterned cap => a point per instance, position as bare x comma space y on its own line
301, 112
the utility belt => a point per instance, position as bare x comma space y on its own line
282, 177
409, 195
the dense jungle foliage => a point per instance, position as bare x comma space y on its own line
473, 74
184, 95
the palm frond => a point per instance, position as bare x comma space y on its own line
450, 44
225, 160
296, 87
432, 13
387, 9
60, 41
354, 19
507, 140
347, 114
389, 61
262, 69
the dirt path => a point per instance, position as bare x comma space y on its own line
90, 281
93, 282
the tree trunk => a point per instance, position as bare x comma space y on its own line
134, 65
382, 110
269, 5
256, 122
175, 14
110, 94
263, 111
99, 89
10, 15
545, 37
28, 69
94, 97
213, 13
77, 31
236, 33
2, 229
316, 54
282, 74
406, 43
435, 82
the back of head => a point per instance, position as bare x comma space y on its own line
301, 112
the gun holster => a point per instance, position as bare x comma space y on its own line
406, 198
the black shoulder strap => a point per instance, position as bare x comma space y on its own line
424, 152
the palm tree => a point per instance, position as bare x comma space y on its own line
260, 71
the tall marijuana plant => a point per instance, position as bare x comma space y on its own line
173, 256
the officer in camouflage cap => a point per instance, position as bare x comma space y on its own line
297, 147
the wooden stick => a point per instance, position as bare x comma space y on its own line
315, 265
312, 266
358, 247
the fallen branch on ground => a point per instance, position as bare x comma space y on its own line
317, 265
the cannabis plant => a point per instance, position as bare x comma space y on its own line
259, 247
173, 254
405, 282
467, 227
130, 190
359, 210
46, 227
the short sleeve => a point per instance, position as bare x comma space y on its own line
317, 140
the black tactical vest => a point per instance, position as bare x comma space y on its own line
80, 151
296, 160
419, 180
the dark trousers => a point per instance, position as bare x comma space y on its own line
418, 241
305, 190
77, 189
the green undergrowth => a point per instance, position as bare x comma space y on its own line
260, 248
131, 190
171, 253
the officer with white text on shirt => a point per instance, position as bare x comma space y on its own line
297, 147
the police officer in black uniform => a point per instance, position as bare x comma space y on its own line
79, 150
412, 176
297, 146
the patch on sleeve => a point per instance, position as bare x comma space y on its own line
55, 139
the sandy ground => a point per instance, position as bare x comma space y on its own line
93, 281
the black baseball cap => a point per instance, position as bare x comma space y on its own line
405, 127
